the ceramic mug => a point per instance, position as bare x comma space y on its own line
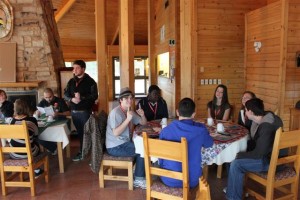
210, 121
220, 128
164, 121
50, 118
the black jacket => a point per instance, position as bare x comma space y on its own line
7, 109
261, 145
87, 88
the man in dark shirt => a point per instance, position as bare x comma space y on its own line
81, 93
154, 106
59, 105
259, 147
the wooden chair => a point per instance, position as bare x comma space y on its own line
289, 176
171, 151
109, 163
294, 119
19, 166
204, 190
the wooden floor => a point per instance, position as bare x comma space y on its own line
79, 182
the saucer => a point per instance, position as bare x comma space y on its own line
50, 120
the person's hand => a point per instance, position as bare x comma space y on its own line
129, 114
140, 111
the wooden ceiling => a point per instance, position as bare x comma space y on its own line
77, 26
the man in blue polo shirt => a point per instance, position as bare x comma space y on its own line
197, 136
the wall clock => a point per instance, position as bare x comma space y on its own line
6, 20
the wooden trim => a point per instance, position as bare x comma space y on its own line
20, 84
64, 9
115, 35
283, 54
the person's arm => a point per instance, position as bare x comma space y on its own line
67, 93
263, 144
120, 129
93, 96
141, 113
226, 115
208, 113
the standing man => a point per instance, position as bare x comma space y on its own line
81, 93
59, 105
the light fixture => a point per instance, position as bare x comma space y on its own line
257, 46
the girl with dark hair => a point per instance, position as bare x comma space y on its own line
243, 119
219, 107
6, 107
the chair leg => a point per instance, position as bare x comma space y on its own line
46, 169
32, 182
205, 171
21, 175
101, 176
130, 176
219, 171
3, 179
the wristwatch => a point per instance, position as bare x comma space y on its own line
6, 20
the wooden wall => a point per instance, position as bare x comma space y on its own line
220, 44
165, 16
292, 79
263, 69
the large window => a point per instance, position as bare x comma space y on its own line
141, 74
91, 69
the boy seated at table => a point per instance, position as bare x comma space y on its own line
197, 136
119, 131
259, 147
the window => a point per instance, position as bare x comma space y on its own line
91, 69
141, 74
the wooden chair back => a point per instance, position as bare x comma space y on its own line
294, 119
20, 165
278, 180
168, 150
204, 190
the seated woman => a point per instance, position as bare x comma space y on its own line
243, 119
219, 107
119, 131
22, 112
6, 107
154, 106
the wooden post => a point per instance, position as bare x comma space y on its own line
101, 54
126, 38
151, 42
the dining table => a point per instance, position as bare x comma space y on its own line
57, 131
226, 145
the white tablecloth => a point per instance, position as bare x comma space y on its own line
226, 155
56, 133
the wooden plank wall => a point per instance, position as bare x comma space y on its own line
263, 68
165, 16
221, 29
292, 87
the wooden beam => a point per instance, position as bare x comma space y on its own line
101, 54
64, 9
115, 35
126, 40
151, 42
186, 26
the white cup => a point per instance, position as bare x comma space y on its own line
220, 128
210, 121
164, 121
36, 116
8, 120
50, 118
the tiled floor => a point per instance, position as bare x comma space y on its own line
79, 182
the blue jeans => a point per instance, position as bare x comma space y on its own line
79, 120
237, 171
128, 149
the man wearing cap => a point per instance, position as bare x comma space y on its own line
119, 131
154, 106
81, 93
